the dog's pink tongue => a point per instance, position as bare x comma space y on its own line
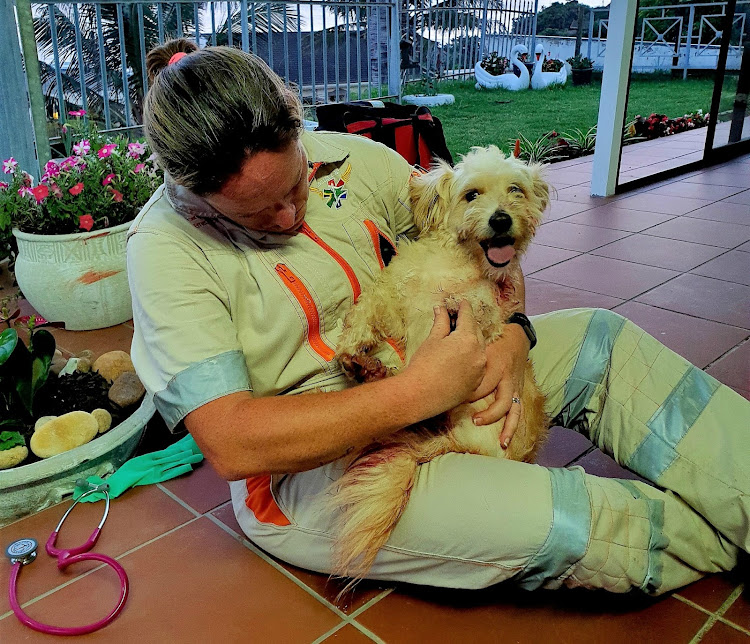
501, 255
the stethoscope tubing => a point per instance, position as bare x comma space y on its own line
64, 559
70, 630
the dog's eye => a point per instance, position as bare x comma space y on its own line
515, 189
471, 195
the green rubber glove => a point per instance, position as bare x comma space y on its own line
145, 469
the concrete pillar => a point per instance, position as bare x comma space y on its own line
614, 96
16, 125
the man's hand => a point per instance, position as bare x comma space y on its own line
506, 365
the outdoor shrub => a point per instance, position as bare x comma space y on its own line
103, 183
580, 62
657, 125
495, 64
552, 65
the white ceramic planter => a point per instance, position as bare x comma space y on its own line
79, 279
31, 488
429, 101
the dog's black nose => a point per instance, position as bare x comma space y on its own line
500, 222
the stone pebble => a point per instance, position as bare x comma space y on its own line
64, 433
113, 364
13, 456
103, 418
126, 390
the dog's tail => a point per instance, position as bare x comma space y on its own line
371, 496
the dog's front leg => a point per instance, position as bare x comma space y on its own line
372, 324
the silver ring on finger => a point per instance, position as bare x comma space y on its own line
515, 400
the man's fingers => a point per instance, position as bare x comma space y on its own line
465, 321
441, 325
511, 424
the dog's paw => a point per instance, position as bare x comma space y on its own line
362, 367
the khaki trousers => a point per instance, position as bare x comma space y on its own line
473, 521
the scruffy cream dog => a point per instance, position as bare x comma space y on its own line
476, 220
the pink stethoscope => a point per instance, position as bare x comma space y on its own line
23, 552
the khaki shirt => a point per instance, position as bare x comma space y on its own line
219, 309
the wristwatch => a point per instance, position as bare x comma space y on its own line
525, 323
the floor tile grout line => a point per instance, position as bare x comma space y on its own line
730, 600
692, 604
727, 352
707, 626
329, 632
734, 625
179, 501
370, 603
717, 616
93, 570
257, 551
366, 631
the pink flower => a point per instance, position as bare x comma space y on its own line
77, 113
76, 189
136, 150
107, 150
81, 148
108, 179
27, 180
51, 169
10, 165
40, 193
56, 192
139, 168
37, 320
116, 194
3, 185
86, 222
25, 191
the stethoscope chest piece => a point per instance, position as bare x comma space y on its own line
22, 551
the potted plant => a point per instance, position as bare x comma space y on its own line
582, 69
70, 229
428, 95
41, 458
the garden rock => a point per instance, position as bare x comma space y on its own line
126, 390
58, 362
64, 433
103, 418
42, 421
113, 364
13, 456
84, 365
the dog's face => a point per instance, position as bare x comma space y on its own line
490, 203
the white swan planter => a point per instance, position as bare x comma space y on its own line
540, 79
507, 81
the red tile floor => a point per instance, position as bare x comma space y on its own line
674, 257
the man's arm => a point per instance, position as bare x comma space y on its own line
506, 365
244, 436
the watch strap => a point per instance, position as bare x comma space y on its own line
525, 324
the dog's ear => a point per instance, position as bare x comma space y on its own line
430, 194
539, 185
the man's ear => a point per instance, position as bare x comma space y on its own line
430, 193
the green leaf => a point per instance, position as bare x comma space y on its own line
8, 342
43, 350
9, 440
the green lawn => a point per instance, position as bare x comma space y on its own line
496, 116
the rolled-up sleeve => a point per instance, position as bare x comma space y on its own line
185, 347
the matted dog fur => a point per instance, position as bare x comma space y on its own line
475, 221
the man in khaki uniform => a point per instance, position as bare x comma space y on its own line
235, 313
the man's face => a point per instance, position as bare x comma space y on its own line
269, 193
